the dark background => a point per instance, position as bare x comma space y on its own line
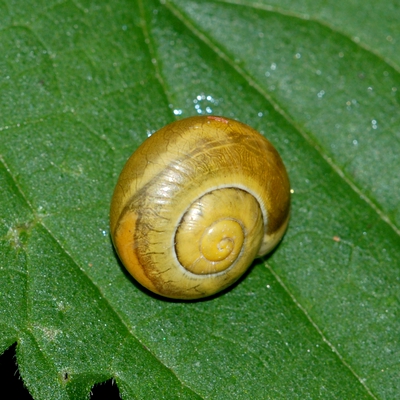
11, 382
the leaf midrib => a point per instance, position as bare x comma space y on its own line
323, 23
310, 140
252, 83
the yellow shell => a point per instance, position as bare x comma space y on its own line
196, 203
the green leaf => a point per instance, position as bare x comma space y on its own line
82, 84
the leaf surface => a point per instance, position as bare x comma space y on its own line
82, 84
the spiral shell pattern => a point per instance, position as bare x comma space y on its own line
196, 203
206, 245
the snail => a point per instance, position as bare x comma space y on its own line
196, 203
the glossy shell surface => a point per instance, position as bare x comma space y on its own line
196, 203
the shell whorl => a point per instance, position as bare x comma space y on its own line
215, 235
196, 203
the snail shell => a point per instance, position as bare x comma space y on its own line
196, 203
